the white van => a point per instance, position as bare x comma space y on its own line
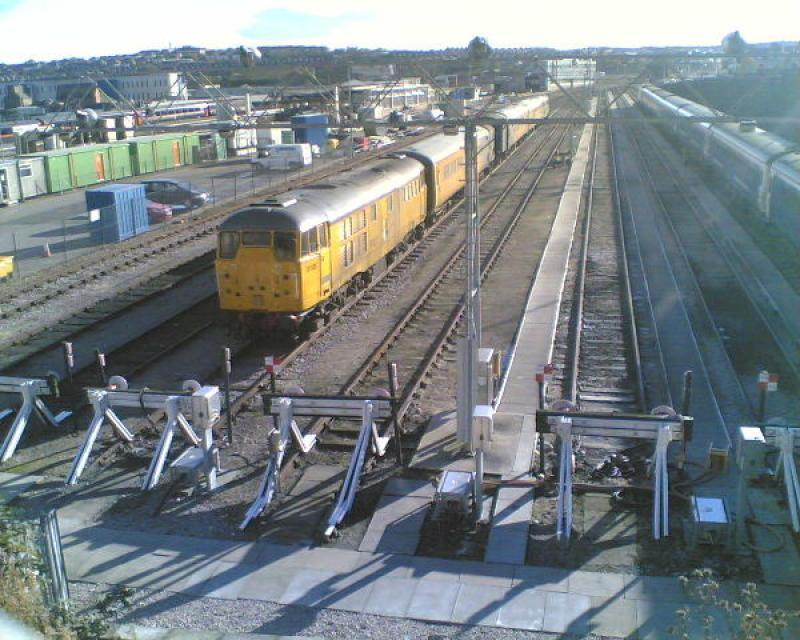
284, 156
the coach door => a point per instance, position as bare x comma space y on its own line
326, 284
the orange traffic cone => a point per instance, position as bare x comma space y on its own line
46, 253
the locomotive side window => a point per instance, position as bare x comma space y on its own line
285, 245
256, 238
228, 244
310, 242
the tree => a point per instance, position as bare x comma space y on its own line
734, 44
478, 49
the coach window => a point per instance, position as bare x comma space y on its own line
374, 212
256, 238
323, 235
285, 245
228, 244
390, 204
310, 242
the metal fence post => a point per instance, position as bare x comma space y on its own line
213, 191
235, 178
64, 237
393, 386
17, 265
252, 179
226, 370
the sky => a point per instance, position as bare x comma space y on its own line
54, 29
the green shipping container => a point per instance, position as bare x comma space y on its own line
143, 160
57, 170
287, 136
90, 165
191, 148
169, 152
121, 166
76, 167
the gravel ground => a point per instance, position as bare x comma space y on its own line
166, 609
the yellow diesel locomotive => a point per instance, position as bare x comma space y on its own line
288, 262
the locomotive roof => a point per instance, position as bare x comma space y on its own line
329, 200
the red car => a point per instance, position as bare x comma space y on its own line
158, 212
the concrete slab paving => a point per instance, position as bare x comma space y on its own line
541, 578
612, 617
309, 587
391, 597
508, 536
566, 612
523, 610
478, 604
396, 525
433, 600
596, 584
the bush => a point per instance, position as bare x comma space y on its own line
749, 617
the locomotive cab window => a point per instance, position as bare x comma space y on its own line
310, 244
228, 244
256, 238
285, 245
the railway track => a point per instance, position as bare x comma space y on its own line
418, 338
735, 306
603, 369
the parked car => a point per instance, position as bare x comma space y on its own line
158, 212
175, 193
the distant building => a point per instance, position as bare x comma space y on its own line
136, 88
573, 71
407, 92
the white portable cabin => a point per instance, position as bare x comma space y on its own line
21, 178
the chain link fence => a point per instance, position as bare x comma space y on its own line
49, 230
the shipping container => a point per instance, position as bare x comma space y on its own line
32, 177
143, 160
168, 151
116, 212
287, 136
75, 166
191, 148
120, 156
311, 135
222, 148
90, 164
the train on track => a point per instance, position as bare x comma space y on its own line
289, 262
760, 169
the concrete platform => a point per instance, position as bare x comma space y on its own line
448, 591
508, 454
534, 344
396, 525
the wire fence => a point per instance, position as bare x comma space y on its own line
34, 238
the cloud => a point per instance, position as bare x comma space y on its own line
52, 29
